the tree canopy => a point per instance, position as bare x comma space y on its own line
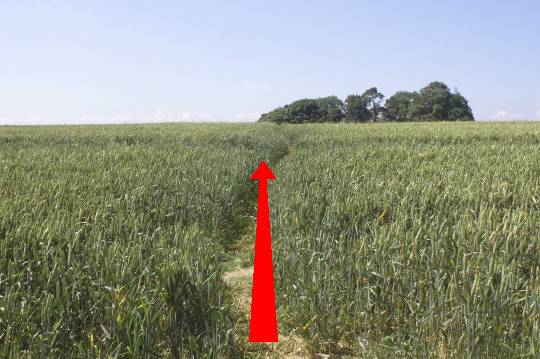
435, 102
364, 108
398, 106
324, 109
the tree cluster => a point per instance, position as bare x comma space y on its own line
435, 102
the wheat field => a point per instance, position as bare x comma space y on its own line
390, 240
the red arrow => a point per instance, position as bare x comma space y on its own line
263, 324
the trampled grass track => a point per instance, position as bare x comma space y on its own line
390, 240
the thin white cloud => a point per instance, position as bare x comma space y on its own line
161, 115
247, 116
504, 115
203, 117
158, 116
186, 115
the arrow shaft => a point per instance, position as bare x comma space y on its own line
263, 324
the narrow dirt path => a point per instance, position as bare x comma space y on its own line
239, 276
239, 279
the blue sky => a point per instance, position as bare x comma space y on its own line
148, 61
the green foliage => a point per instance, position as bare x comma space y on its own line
332, 109
357, 110
372, 99
326, 109
364, 108
434, 102
459, 108
398, 106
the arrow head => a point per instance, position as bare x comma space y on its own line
263, 173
